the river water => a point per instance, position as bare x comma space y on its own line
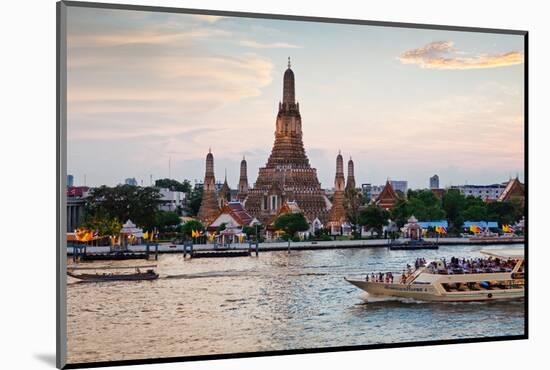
276, 301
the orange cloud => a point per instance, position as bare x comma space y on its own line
443, 55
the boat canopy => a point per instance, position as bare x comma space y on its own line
505, 253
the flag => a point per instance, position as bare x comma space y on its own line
151, 235
193, 234
475, 229
146, 235
443, 229
507, 229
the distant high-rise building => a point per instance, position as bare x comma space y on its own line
400, 185
131, 181
434, 182
70, 181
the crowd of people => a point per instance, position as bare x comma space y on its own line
471, 265
454, 266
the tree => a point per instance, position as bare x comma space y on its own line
191, 225
174, 185
401, 212
353, 201
166, 220
475, 213
105, 226
291, 223
123, 202
253, 230
374, 217
454, 204
424, 205
194, 201
503, 212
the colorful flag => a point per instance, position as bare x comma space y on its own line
507, 229
475, 229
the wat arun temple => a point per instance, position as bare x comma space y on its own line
286, 179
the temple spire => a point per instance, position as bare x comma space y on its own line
209, 204
243, 182
288, 86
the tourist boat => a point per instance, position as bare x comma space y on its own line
500, 278
149, 274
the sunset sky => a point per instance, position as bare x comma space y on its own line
146, 89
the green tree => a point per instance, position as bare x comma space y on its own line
374, 217
475, 213
191, 225
166, 220
453, 204
174, 185
105, 226
194, 201
503, 212
353, 201
401, 212
250, 231
291, 223
425, 206
123, 202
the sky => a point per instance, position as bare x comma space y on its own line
150, 93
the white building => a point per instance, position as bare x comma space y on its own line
485, 192
171, 200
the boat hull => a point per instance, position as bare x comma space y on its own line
93, 278
428, 292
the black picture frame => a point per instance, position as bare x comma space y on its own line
61, 174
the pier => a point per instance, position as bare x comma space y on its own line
240, 250
252, 248
84, 252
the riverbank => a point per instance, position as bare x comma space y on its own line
309, 245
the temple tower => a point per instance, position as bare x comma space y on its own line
209, 205
350, 183
337, 215
224, 195
243, 182
287, 175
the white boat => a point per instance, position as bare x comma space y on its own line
500, 276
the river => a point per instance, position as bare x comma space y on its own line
276, 301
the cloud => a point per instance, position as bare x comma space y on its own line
128, 81
272, 45
443, 55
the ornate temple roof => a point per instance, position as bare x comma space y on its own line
387, 198
514, 189
286, 207
236, 211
